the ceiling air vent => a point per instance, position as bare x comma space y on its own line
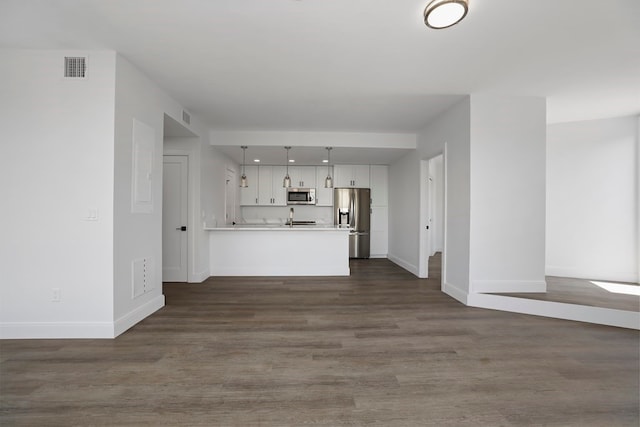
75, 67
186, 117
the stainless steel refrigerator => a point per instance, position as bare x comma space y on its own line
351, 208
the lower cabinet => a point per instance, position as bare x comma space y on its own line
379, 233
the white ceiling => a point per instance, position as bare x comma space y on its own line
352, 65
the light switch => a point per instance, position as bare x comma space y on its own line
91, 214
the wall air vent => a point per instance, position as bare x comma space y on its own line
186, 117
75, 67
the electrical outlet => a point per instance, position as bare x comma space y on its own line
55, 295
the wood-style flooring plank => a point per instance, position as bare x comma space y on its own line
378, 348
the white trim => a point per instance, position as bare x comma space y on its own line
55, 330
455, 292
505, 286
138, 314
199, 277
378, 256
193, 209
290, 270
557, 310
638, 198
443, 268
425, 236
413, 269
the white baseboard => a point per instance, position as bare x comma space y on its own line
557, 310
55, 330
576, 273
455, 292
61, 330
506, 286
378, 256
199, 277
413, 269
138, 314
275, 270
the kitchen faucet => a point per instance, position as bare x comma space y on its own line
291, 217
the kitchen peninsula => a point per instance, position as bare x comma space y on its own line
279, 250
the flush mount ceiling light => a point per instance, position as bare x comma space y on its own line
287, 180
243, 179
445, 13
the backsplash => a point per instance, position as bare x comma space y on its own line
277, 214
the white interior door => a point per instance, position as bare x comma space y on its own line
174, 218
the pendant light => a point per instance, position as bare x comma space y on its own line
287, 180
244, 183
445, 13
328, 181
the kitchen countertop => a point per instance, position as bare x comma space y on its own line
277, 227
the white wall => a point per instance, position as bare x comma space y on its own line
56, 163
137, 235
214, 165
592, 199
494, 165
436, 173
452, 128
404, 212
507, 234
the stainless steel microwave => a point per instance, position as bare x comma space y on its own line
301, 196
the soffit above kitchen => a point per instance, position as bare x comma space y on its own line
358, 65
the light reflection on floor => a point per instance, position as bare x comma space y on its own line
618, 288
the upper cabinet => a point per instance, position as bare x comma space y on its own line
324, 196
303, 176
249, 194
270, 189
379, 185
265, 186
265, 183
356, 176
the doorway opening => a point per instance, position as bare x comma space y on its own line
177, 207
175, 196
432, 217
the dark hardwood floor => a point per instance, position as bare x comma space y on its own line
378, 348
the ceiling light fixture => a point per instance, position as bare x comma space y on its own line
243, 179
444, 13
328, 181
287, 180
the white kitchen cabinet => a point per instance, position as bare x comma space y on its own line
353, 176
303, 176
324, 196
379, 233
249, 195
270, 189
379, 185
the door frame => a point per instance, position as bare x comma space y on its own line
230, 187
425, 238
192, 211
187, 207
